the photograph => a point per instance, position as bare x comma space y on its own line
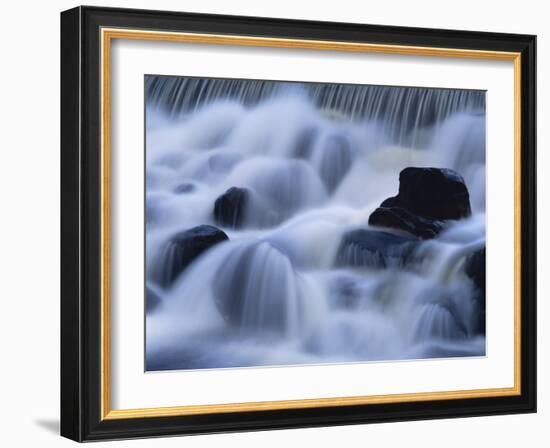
290, 220
305, 223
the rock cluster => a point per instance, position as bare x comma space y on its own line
427, 198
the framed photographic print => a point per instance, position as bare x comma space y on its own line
274, 224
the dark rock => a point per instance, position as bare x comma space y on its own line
475, 270
399, 218
427, 197
335, 162
182, 249
376, 249
152, 299
184, 188
432, 193
230, 207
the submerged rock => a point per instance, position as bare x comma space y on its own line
439, 321
230, 207
304, 143
183, 248
399, 218
376, 249
276, 189
427, 197
475, 270
223, 162
335, 161
256, 289
432, 193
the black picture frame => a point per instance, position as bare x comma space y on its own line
81, 415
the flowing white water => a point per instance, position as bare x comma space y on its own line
317, 161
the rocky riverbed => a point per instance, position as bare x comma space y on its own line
277, 234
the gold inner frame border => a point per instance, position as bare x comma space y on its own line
107, 35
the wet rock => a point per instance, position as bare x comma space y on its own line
183, 248
427, 198
432, 193
375, 249
399, 218
230, 207
475, 270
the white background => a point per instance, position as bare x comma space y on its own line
29, 238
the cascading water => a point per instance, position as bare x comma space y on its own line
278, 175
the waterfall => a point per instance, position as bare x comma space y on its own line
274, 177
402, 111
